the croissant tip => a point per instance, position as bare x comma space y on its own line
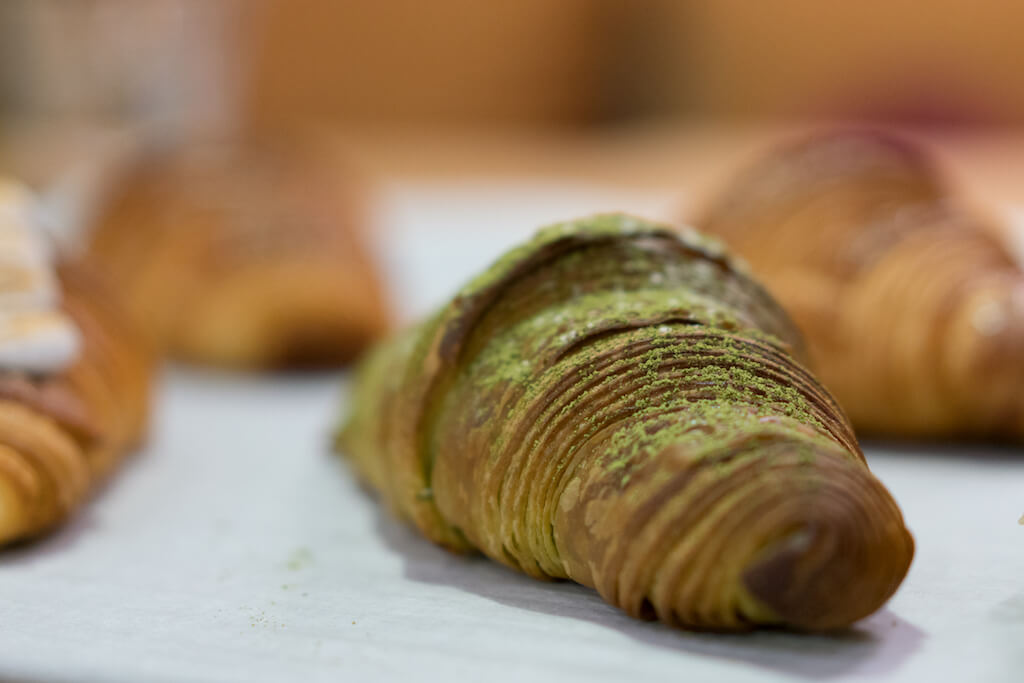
825, 576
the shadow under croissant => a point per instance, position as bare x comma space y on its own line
877, 645
25, 552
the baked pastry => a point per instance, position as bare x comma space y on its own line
912, 306
74, 379
617, 404
246, 255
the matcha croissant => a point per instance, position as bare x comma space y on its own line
617, 404
912, 307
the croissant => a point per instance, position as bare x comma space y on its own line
912, 307
61, 434
246, 255
616, 404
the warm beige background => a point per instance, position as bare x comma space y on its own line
532, 64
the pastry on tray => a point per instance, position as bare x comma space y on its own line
74, 378
619, 404
246, 254
911, 304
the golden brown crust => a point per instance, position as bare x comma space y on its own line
913, 309
617, 404
246, 254
60, 435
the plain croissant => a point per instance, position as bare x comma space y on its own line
616, 404
912, 308
245, 254
61, 435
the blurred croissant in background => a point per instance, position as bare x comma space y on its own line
912, 305
242, 255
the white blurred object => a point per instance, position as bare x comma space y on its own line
19, 208
35, 336
37, 342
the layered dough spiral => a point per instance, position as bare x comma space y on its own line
617, 404
911, 304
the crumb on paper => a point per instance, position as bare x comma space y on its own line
260, 618
299, 559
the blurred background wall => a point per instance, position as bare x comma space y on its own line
942, 61
161, 62
530, 64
